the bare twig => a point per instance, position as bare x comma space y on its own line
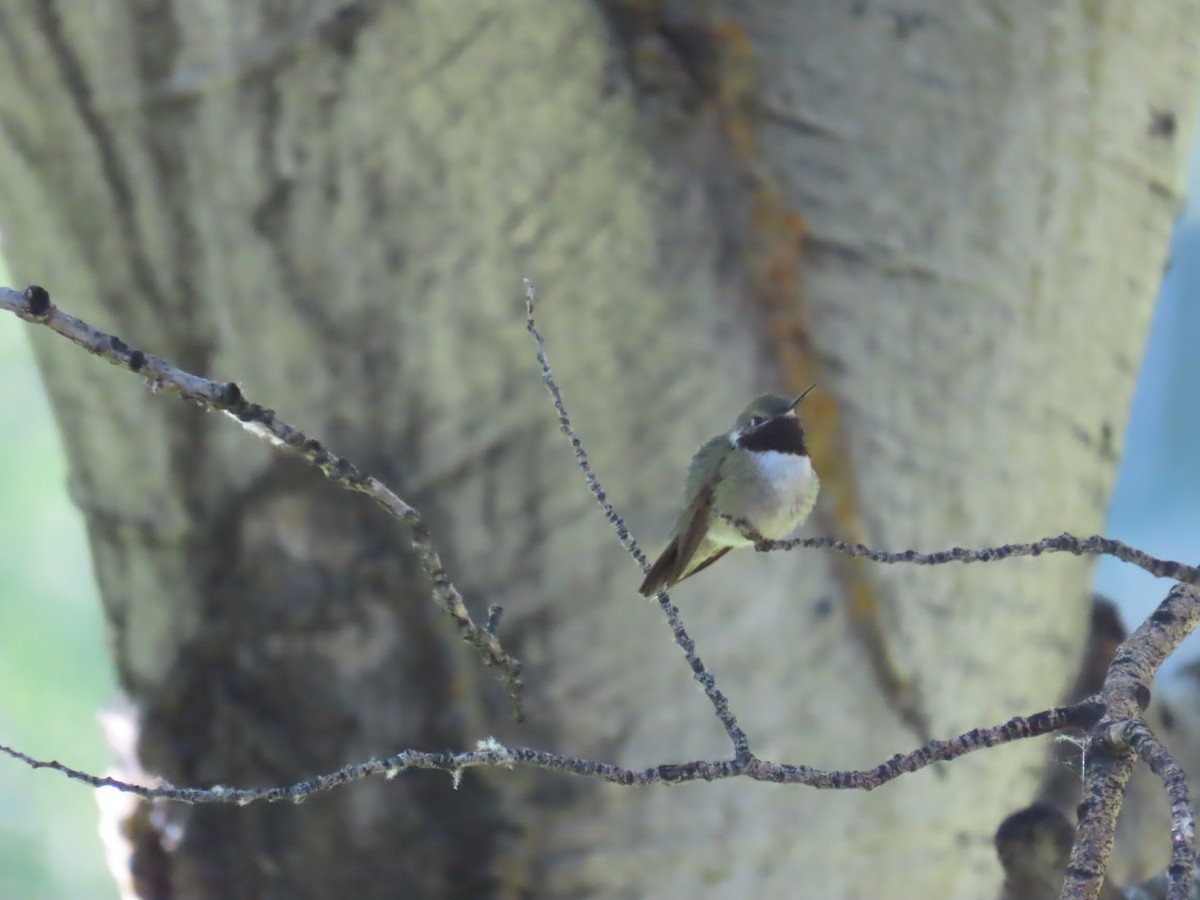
33, 305
741, 744
490, 753
564, 425
1095, 545
1059, 718
1183, 821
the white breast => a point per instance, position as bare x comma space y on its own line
777, 501
784, 470
792, 491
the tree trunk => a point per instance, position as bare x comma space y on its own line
335, 209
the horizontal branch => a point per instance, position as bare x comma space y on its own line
33, 305
1096, 545
490, 753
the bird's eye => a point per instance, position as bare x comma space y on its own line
755, 421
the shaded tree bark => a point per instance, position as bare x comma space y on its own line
334, 206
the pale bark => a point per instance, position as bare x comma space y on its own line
338, 214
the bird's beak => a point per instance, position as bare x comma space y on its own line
796, 402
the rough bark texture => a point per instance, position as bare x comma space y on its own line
335, 208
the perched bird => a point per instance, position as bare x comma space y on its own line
758, 478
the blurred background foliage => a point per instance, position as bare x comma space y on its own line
54, 668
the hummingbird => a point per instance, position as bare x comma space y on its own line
757, 480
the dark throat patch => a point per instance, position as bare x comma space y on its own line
782, 434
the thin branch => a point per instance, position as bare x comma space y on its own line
564, 425
1059, 718
33, 305
1183, 821
741, 743
490, 753
1096, 545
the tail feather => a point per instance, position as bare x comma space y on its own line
668, 570
663, 573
